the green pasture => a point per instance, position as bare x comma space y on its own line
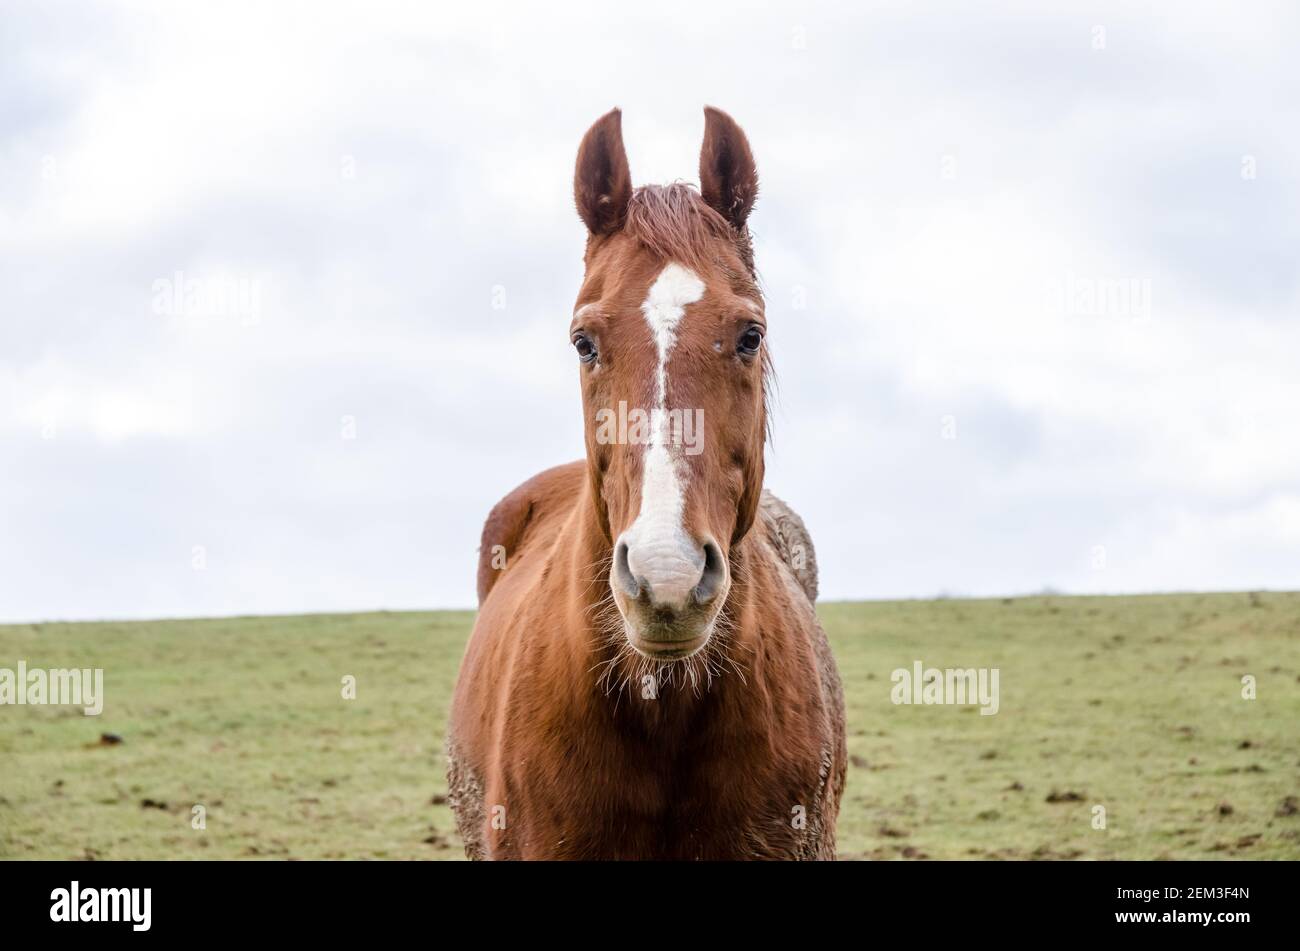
1131, 704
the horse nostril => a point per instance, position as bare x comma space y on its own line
623, 572
715, 573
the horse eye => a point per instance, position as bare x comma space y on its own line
750, 341
586, 349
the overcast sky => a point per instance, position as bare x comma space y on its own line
1031, 281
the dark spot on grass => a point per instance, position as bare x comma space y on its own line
1047, 853
1069, 796
1289, 807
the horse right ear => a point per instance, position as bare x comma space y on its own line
602, 184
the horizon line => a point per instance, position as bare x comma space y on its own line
941, 596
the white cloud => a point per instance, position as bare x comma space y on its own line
383, 173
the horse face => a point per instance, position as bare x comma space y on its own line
669, 334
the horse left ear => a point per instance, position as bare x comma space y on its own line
602, 184
728, 176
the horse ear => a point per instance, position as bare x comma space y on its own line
602, 184
728, 176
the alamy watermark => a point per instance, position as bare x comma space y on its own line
952, 686
1077, 295
684, 428
129, 905
237, 297
77, 686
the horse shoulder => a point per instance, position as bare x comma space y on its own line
507, 524
797, 559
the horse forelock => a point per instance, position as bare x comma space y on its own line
676, 223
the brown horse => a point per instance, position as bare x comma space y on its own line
647, 678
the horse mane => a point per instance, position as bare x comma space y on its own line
676, 223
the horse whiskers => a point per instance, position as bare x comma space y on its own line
696, 672
596, 608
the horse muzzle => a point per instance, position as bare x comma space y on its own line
669, 593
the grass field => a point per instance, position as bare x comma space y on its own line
1131, 703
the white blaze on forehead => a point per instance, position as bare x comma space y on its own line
657, 544
673, 289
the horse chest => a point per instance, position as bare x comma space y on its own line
639, 798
